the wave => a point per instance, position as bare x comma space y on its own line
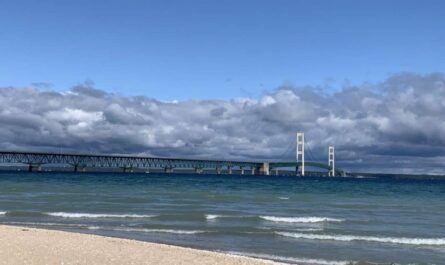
2, 213
283, 198
212, 216
290, 259
46, 224
125, 229
93, 215
363, 177
308, 229
394, 240
310, 219
23, 214
171, 231
216, 216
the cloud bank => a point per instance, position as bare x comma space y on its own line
397, 125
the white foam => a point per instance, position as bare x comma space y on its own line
171, 231
363, 177
216, 216
92, 215
394, 240
309, 219
308, 229
283, 198
46, 224
291, 259
2, 213
212, 216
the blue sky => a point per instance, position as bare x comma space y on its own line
216, 49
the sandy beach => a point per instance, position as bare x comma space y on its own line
22, 245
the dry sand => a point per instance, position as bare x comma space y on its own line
21, 245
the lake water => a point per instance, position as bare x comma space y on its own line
289, 219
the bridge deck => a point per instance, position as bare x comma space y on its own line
80, 161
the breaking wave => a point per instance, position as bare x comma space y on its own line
310, 219
291, 259
212, 216
47, 224
170, 231
92, 215
2, 213
308, 229
393, 240
216, 216
110, 228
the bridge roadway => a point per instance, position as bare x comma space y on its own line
79, 162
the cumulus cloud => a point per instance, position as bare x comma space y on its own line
397, 125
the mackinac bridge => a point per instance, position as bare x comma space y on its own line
38, 161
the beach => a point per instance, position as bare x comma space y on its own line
23, 245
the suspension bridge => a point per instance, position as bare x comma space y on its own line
34, 161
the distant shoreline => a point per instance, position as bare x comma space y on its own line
282, 173
24, 245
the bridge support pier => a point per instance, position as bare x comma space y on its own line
218, 170
297, 171
168, 169
127, 170
276, 171
241, 170
198, 170
229, 170
264, 169
253, 171
78, 168
34, 167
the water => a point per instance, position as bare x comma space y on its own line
289, 219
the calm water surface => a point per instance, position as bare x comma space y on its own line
289, 219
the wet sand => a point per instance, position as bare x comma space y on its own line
22, 245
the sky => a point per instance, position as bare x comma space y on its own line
176, 50
227, 79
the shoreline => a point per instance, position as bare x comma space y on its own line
25, 245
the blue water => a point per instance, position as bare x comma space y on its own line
289, 219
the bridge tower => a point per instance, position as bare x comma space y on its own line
300, 151
331, 161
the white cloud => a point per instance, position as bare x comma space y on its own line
399, 119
